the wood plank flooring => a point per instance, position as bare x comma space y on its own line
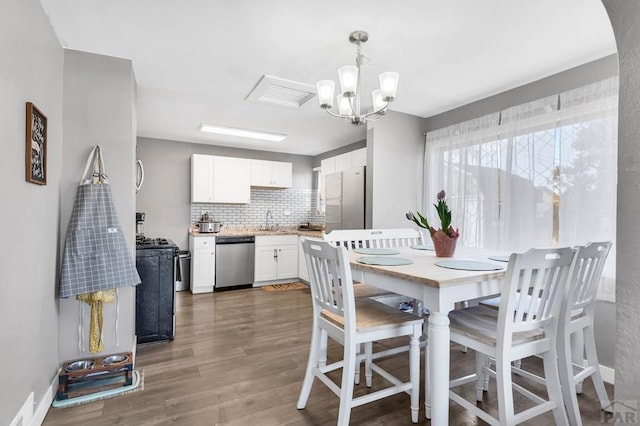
239, 357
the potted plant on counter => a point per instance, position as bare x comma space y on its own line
445, 238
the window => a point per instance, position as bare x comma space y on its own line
538, 174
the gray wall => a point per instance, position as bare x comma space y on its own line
566, 80
570, 79
165, 196
31, 67
395, 153
624, 19
99, 96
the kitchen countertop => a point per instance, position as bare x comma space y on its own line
254, 230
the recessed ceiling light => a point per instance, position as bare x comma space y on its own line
243, 133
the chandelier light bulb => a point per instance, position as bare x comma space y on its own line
344, 107
389, 85
325, 90
348, 76
377, 101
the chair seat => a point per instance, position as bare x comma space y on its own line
371, 315
480, 322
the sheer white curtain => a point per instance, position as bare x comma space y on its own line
588, 134
463, 159
534, 175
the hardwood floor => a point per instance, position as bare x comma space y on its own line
239, 357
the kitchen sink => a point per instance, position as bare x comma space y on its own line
274, 231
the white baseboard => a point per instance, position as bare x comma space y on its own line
45, 402
608, 374
27, 416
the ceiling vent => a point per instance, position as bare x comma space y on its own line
279, 91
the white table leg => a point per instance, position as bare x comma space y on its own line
439, 371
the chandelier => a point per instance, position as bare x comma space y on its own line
348, 100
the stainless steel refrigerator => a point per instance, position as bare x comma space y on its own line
345, 199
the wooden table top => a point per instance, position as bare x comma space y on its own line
424, 269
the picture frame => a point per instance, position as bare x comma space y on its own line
36, 146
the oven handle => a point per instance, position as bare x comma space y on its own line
176, 259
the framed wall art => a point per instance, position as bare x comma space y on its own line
36, 148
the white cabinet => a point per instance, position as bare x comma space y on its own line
328, 165
359, 158
220, 179
274, 174
203, 263
201, 179
343, 161
346, 161
303, 273
276, 258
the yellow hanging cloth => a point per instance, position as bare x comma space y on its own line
96, 299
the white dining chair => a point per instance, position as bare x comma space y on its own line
576, 337
519, 328
351, 322
373, 238
576, 323
352, 239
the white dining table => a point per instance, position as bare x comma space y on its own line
439, 289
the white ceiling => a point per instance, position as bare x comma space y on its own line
197, 60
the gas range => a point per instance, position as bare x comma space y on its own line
143, 242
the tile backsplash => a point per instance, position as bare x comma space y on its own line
289, 207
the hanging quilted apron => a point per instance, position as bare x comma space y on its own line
96, 259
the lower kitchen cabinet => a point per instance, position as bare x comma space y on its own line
203, 263
276, 258
303, 273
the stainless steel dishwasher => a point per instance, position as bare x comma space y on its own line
235, 261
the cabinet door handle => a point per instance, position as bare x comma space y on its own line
275, 254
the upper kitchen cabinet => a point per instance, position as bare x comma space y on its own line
220, 179
339, 163
271, 174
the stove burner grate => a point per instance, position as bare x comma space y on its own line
147, 241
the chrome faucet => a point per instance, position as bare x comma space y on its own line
269, 216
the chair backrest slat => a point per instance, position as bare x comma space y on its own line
543, 274
330, 278
590, 260
374, 238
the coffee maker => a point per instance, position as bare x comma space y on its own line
139, 225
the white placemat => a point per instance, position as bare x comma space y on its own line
375, 250
384, 261
499, 258
423, 247
468, 265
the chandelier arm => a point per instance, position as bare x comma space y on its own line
377, 112
337, 115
